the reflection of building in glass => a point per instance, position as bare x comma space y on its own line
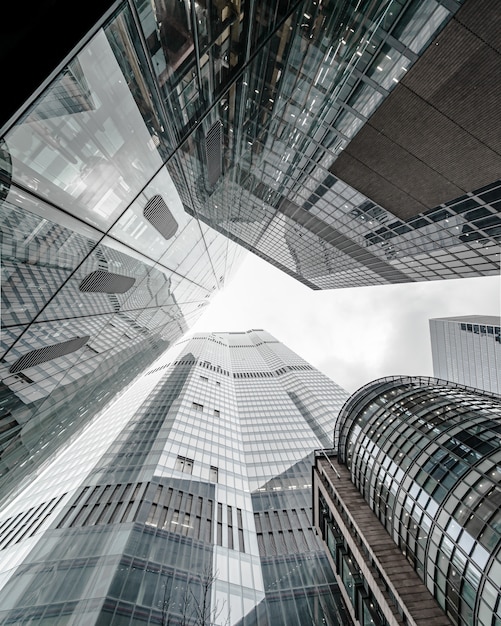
467, 350
202, 471
83, 314
422, 456
328, 139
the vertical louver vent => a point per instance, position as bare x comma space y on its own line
106, 282
42, 355
158, 215
213, 150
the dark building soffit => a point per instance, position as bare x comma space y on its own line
417, 149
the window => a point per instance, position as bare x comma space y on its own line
198, 407
22, 377
213, 474
217, 413
219, 524
184, 464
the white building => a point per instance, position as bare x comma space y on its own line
467, 350
200, 473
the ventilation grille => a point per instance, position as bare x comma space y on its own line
158, 215
106, 282
35, 357
213, 150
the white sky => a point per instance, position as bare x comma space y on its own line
351, 335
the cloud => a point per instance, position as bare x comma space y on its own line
352, 335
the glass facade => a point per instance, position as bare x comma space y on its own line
467, 350
83, 314
247, 106
425, 455
174, 123
189, 504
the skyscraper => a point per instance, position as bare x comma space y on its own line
410, 508
83, 314
467, 350
306, 132
202, 492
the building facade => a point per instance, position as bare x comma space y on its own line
264, 114
467, 350
83, 314
188, 504
172, 129
410, 507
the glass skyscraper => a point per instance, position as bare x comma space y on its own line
307, 131
410, 507
188, 502
173, 129
467, 350
348, 144
84, 313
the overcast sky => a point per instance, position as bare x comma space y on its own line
351, 335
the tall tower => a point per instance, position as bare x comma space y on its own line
189, 504
83, 314
411, 510
165, 131
467, 350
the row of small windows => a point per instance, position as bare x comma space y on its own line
284, 531
184, 361
25, 524
200, 407
195, 516
185, 465
221, 343
279, 372
180, 512
481, 329
219, 370
166, 508
104, 504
